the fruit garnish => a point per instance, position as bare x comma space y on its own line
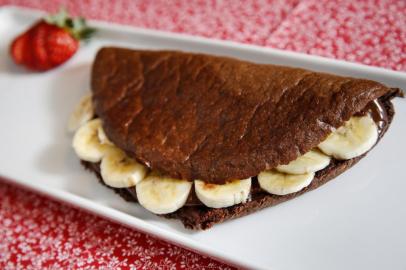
50, 42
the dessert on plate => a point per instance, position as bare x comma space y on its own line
204, 139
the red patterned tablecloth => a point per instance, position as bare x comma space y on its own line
39, 233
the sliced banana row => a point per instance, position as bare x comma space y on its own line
355, 138
162, 195
156, 193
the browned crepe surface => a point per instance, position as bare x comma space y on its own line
195, 116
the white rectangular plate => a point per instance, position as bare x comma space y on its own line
357, 221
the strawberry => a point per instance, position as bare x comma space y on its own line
50, 42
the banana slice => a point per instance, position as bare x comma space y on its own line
162, 195
219, 196
82, 113
86, 142
355, 138
119, 171
281, 184
312, 161
102, 136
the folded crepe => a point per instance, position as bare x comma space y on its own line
204, 139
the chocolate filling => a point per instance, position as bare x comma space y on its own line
377, 110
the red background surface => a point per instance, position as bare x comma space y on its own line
39, 233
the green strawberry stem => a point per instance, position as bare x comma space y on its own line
77, 26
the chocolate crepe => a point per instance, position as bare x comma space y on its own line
196, 116
200, 217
